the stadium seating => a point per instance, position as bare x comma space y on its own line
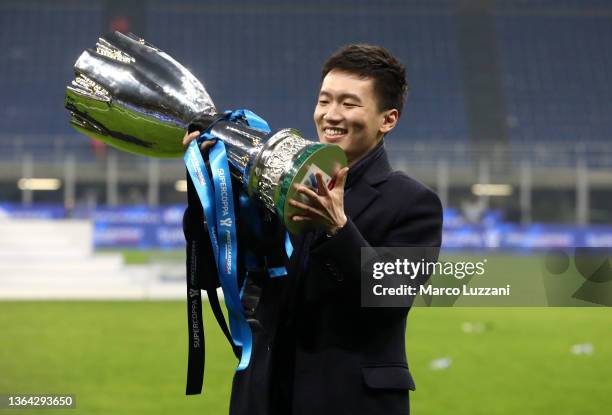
271, 61
39, 41
556, 76
267, 60
554, 58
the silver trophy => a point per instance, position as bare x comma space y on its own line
135, 97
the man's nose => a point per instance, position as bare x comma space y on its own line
333, 113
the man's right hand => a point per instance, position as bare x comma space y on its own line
204, 146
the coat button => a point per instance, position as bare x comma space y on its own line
333, 270
337, 274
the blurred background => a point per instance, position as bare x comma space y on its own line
509, 120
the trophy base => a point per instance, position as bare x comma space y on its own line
326, 159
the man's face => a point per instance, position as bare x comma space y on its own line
347, 114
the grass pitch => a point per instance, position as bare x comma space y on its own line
130, 358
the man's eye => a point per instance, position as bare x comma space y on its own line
349, 105
323, 102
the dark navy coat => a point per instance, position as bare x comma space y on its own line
316, 351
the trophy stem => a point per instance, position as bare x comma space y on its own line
244, 144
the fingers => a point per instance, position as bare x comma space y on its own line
298, 218
189, 138
341, 177
338, 178
306, 208
204, 146
309, 193
321, 187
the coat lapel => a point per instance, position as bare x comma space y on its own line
358, 199
363, 191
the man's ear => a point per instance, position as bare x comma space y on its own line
390, 118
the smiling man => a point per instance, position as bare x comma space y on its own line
316, 350
349, 112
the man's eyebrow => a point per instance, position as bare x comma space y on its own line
341, 96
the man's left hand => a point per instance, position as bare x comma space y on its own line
326, 207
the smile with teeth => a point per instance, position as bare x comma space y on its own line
332, 131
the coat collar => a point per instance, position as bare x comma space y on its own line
361, 190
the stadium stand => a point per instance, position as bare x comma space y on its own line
556, 73
267, 62
554, 63
271, 62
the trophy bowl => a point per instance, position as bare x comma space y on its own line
133, 96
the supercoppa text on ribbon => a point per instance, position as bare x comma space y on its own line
223, 196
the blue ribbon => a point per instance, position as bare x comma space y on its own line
218, 205
253, 120
221, 221
288, 245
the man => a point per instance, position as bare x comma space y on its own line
316, 350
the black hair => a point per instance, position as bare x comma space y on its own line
373, 62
